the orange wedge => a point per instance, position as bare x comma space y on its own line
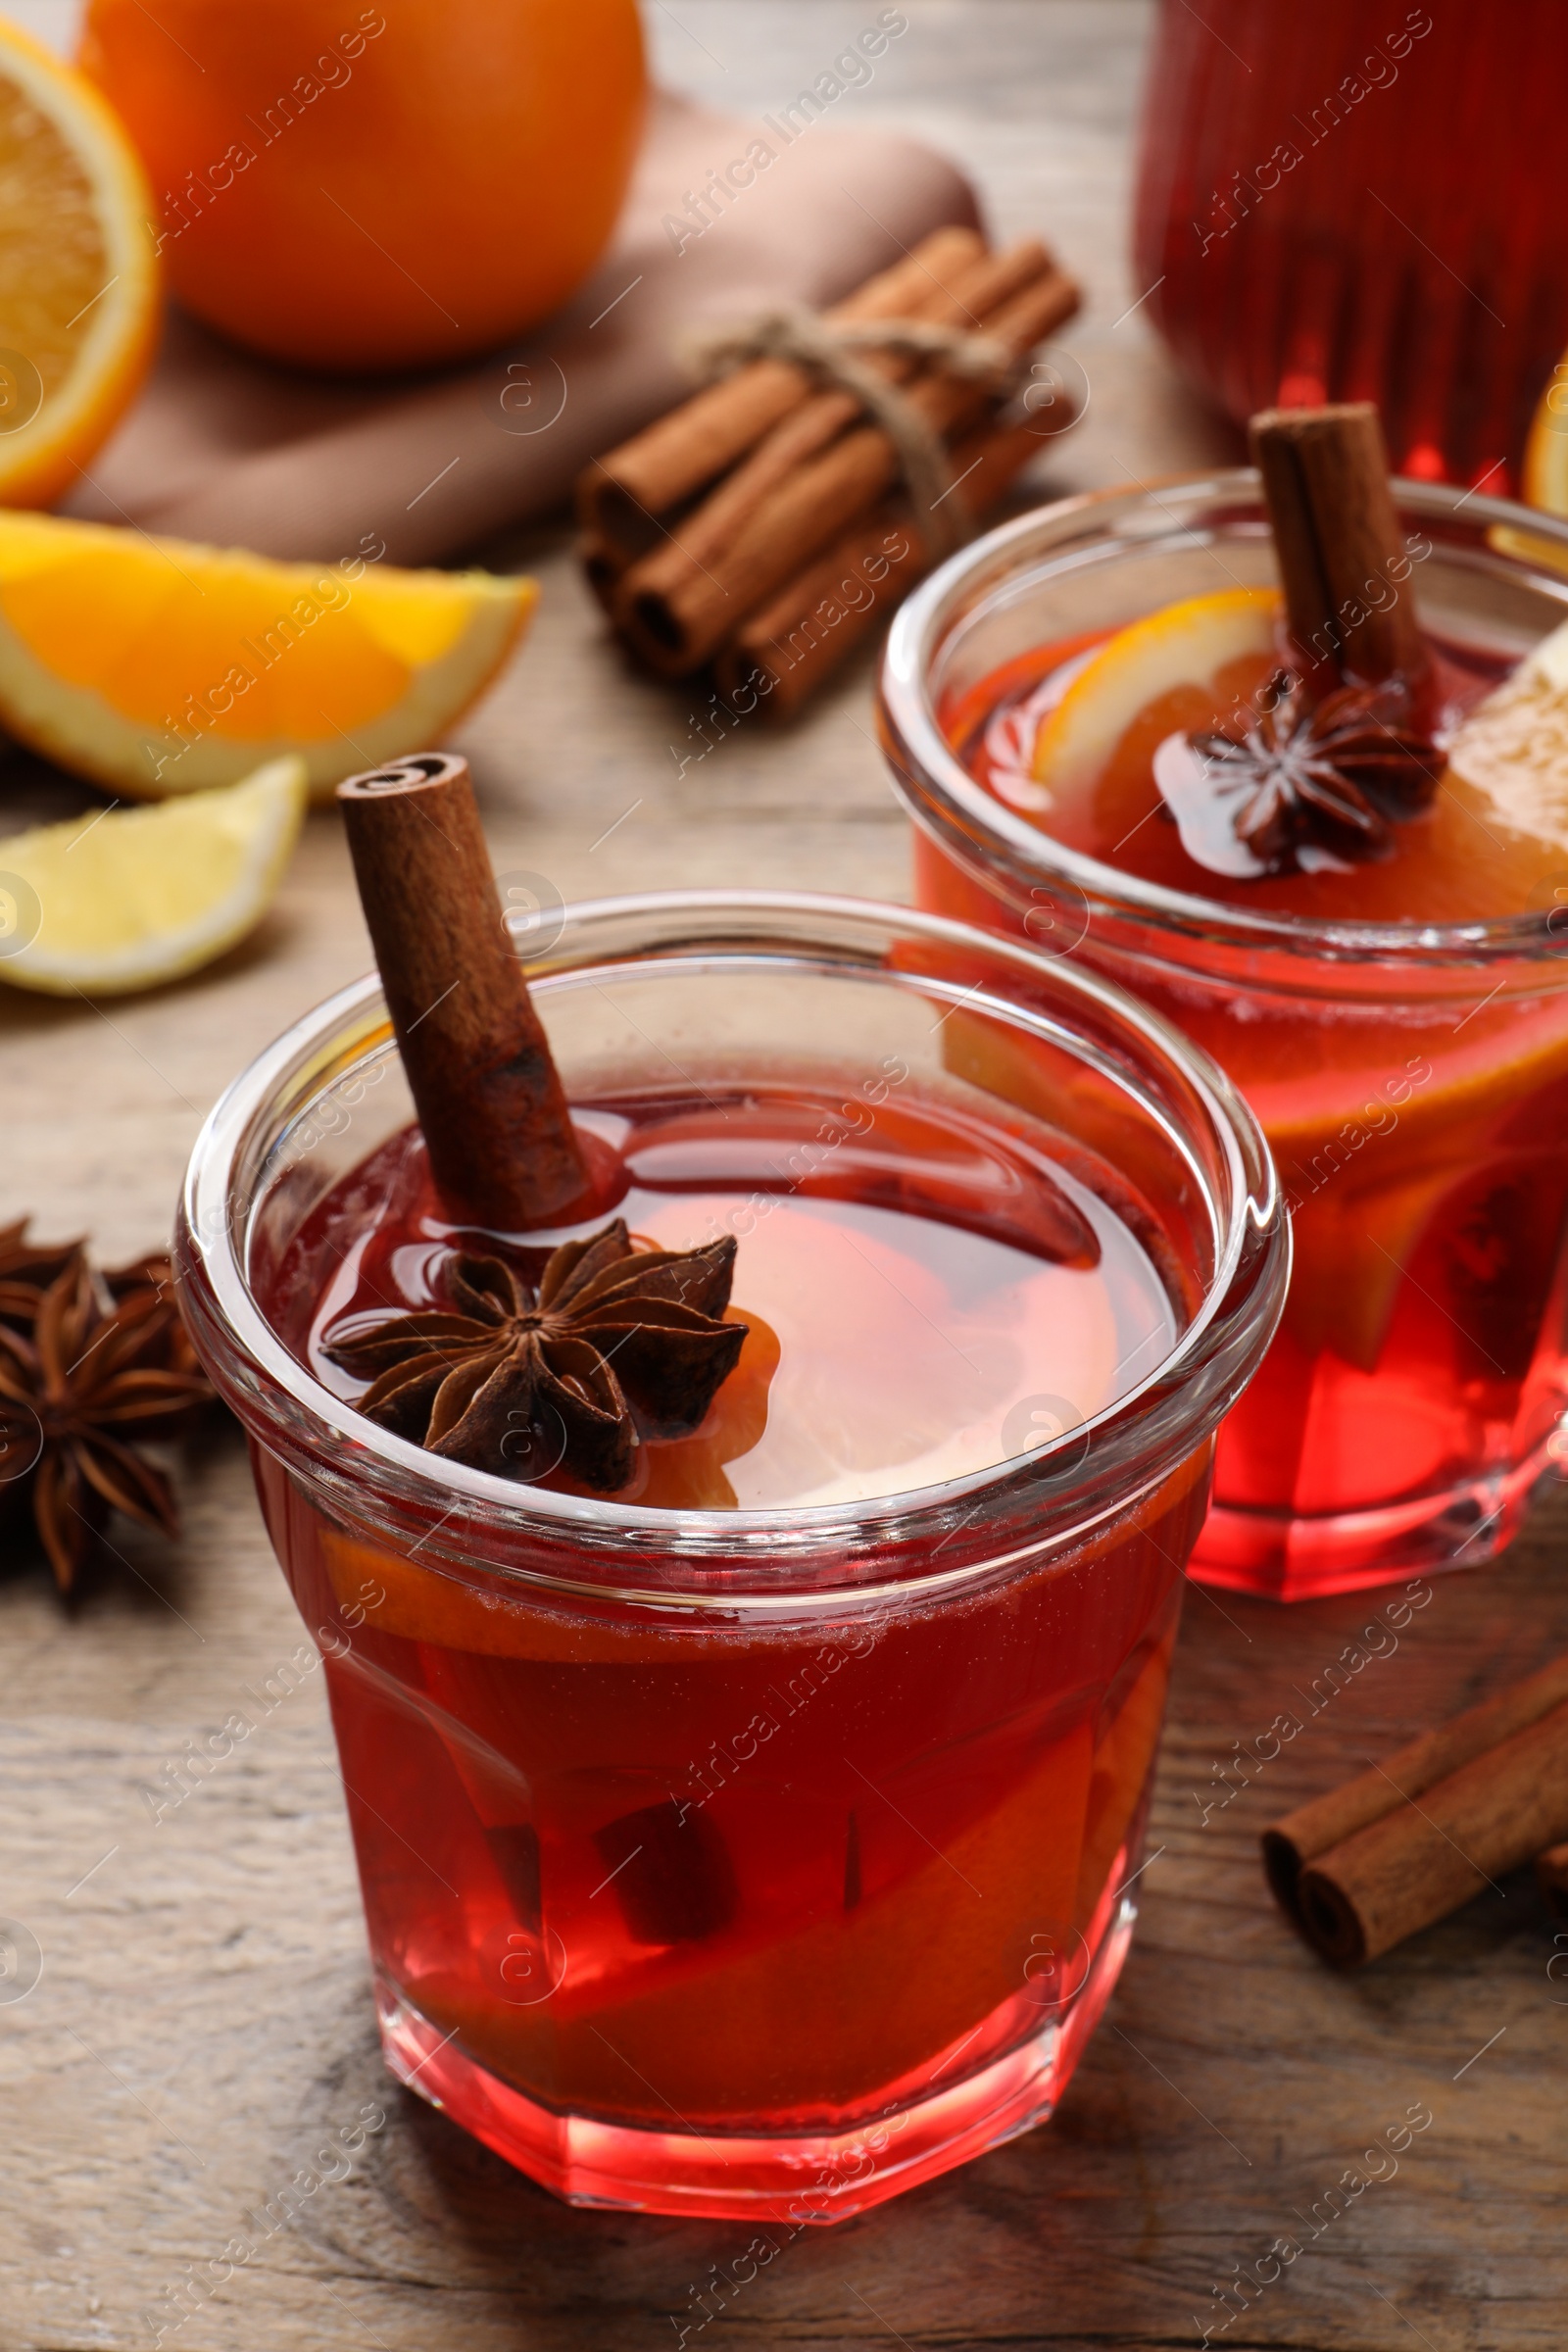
1184, 644
155, 666
78, 275
1545, 468
1543, 481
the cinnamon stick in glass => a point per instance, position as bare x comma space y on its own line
493, 1114
1343, 563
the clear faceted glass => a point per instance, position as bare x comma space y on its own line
752, 1862
1412, 1078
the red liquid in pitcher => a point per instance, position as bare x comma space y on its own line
1423, 1149
1341, 204
759, 1876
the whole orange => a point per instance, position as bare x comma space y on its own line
363, 188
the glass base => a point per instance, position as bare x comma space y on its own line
1289, 1557
789, 2179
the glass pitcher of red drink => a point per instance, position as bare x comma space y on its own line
1338, 203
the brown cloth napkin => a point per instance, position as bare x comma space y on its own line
227, 449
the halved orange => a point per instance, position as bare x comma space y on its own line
78, 273
156, 666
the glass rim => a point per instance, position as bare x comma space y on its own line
351, 1459
946, 800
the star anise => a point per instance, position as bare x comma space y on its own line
27, 1270
154, 1274
616, 1344
79, 1393
1325, 775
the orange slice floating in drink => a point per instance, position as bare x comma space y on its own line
1185, 665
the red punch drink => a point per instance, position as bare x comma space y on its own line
1335, 204
655, 1791
1398, 1020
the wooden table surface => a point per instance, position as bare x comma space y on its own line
202, 2020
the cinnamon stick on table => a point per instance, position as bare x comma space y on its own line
602, 570
705, 535
771, 520
783, 650
1409, 1841
678, 611
622, 498
1551, 1877
1343, 563
495, 1117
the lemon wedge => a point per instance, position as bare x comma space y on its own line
156, 666
78, 275
103, 905
1182, 644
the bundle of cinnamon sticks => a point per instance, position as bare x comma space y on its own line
764, 528
1407, 1842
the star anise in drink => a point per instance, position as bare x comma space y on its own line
1298, 775
615, 1345
90, 1382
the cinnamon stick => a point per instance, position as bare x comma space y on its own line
782, 653
681, 613
495, 1117
1343, 563
602, 570
1424, 1859
710, 529
623, 495
1291, 1844
1551, 1877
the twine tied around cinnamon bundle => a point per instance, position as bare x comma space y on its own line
766, 523
827, 354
